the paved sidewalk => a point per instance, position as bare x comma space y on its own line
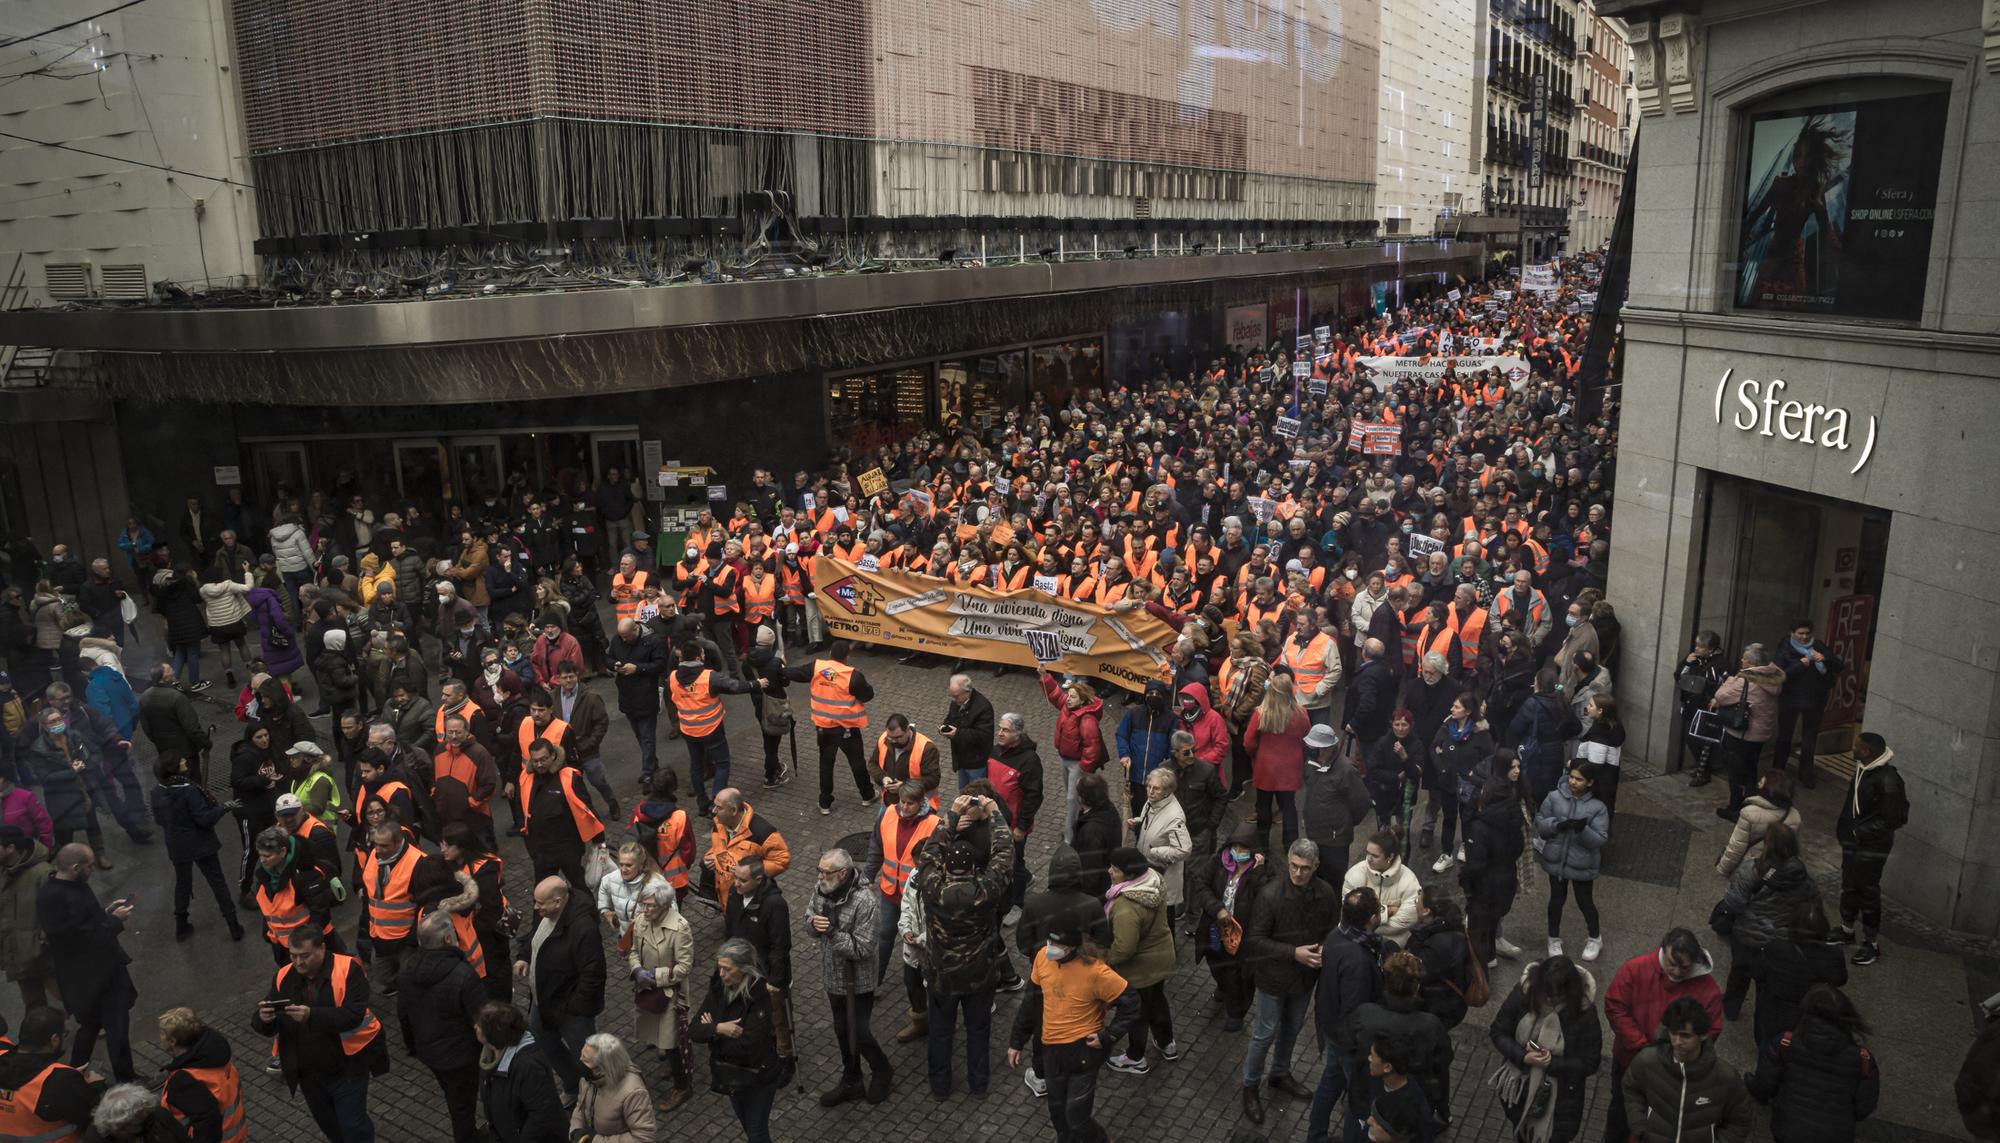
1659, 874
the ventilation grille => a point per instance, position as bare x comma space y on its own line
1142, 207
126, 282
67, 280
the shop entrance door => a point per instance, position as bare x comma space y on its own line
423, 474
282, 471
476, 461
618, 449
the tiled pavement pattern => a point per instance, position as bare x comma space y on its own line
1917, 995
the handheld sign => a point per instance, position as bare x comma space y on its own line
1424, 545
1454, 295
1048, 585
873, 483
1287, 427
1046, 645
718, 492
1302, 368
1317, 387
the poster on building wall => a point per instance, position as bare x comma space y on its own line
1284, 315
1850, 620
1839, 202
1245, 326
1538, 128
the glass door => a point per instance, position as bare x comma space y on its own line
281, 472
617, 449
423, 474
476, 463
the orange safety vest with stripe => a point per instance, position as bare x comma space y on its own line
1471, 631
913, 766
357, 1038
667, 848
833, 702
726, 602
283, 911
1504, 603
553, 732
760, 603
457, 764
227, 1087
20, 1124
464, 710
1110, 593
1308, 664
899, 863
469, 943
791, 585
1412, 636
587, 826
699, 707
684, 579
627, 592
392, 912
1255, 613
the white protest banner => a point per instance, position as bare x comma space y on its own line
1587, 298
1049, 584
1421, 545
1539, 279
1045, 645
868, 563
1287, 427
1447, 341
1386, 371
1262, 508
1503, 295
1317, 387
1302, 343
1454, 295
1323, 333
1302, 368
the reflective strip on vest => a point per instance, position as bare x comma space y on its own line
833, 704
699, 709
553, 732
227, 1087
362, 1034
667, 847
395, 918
626, 594
760, 605
282, 913
1309, 667
20, 1124
898, 864
587, 826
468, 942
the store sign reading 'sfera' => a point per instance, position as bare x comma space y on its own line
1761, 407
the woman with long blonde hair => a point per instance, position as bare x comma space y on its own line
1276, 743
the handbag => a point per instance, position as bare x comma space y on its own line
625, 940
725, 1078
653, 1001
1736, 716
1705, 726
597, 865
1722, 919
1231, 931
1478, 990
776, 718
1692, 684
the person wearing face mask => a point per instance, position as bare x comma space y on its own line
1144, 739
1078, 1007
1221, 902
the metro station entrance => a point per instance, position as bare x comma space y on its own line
435, 470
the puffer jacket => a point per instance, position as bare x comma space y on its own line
1146, 732
1164, 838
1582, 1053
1490, 874
1758, 815
178, 599
1285, 917
46, 610
1669, 1102
23, 952
847, 948
1142, 941
1765, 904
1062, 904
1443, 949
1211, 734
1818, 1081
1538, 731
1763, 683
291, 548
1422, 1035
187, 814
1397, 888
1454, 757
226, 602
615, 1111
267, 613
1079, 730
1572, 853
1785, 970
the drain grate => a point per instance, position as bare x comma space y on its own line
1653, 850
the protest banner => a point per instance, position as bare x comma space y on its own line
1287, 427
1317, 387
1323, 333
1302, 368
1386, 371
1375, 440
1422, 545
1454, 295
874, 483
1046, 646
1302, 344
900, 609
1539, 279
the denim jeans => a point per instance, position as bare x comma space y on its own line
968, 777
1072, 770
340, 1107
707, 755
978, 1007
886, 942
753, 1110
187, 662
1274, 1018
645, 728
594, 773
562, 1043
1332, 1085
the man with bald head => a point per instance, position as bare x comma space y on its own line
1371, 696
638, 658
561, 957
89, 963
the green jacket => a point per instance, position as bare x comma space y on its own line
1667, 1102
23, 952
1142, 940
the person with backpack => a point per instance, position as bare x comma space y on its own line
1398, 1015
1819, 1078
1695, 682
1876, 806
1763, 898
1537, 734
1547, 1030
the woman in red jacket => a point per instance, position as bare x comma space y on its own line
1079, 739
1276, 743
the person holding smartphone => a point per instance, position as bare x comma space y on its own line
89, 962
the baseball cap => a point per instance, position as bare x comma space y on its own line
288, 803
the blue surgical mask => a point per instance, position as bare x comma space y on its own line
1239, 856
1569, 620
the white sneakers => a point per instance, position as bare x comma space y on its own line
1013, 914
1591, 948
1172, 1051
1036, 1084
1555, 946
1506, 948
1124, 1063
1443, 863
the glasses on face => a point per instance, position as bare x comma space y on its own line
1301, 868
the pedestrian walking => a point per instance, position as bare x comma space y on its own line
1142, 951
437, 1005
1637, 1001
518, 1088
734, 1020
202, 1089
83, 936
1349, 979
962, 876
1076, 1007
188, 815
329, 1041
1818, 1077
1759, 908
661, 962
1547, 1031
1677, 1088
24, 951
1876, 806
561, 958
613, 1105
1282, 941
842, 920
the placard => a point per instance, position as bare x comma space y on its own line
1419, 544
1262, 508
1287, 427
1302, 343
874, 483
1302, 369
1048, 585
869, 562
228, 475
1317, 387
1046, 646
1323, 333
718, 492
668, 478
809, 502
1454, 294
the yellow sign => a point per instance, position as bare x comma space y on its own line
1124, 648
873, 483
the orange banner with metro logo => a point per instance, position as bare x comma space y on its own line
1124, 648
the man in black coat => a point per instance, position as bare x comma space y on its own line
438, 1002
562, 959
1371, 695
758, 913
637, 659
1282, 944
1350, 975
168, 716
1810, 668
329, 1041
968, 726
1876, 806
89, 962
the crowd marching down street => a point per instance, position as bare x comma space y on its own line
1388, 705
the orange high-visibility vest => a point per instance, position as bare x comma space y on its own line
227, 1087
456, 763
464, 710
626, 594
667, 848
468, 942
553, 732
913, 767
1110, 593
760, 603
699, 707
725, 599
1308, 665
1471, 630
833, 703
899, 862
392, 912
587, 826
362, 1034
18, 1121
791, 584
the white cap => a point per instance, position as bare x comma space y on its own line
791, 549
305, 748
289, 802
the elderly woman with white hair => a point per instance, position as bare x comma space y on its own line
130, 1113
612, 1104
734, 1019
660, 961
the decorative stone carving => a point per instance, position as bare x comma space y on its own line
1646, 64
1679, 42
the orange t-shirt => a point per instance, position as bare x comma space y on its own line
1074, 994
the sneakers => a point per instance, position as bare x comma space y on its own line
1124, 1063
1444, 862
1555, 946
1866, 954
1841, 935
1460, 855
273, 1066
1172, 1051
1591, 948
1014, 985
196, 688
1506, 948
1013, 914
825, 810
1037, 1086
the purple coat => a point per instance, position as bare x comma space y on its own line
274, 629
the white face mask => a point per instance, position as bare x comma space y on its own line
1059, 952
1352, 573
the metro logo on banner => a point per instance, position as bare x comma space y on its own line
855, 595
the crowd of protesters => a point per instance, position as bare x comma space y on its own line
1389, 593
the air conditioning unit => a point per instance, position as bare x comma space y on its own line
127, 283
67, 281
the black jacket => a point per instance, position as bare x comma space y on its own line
755, 1049
1062, 905
1494, 839
313, 1047
972, 737
438, 1000
1784, 971
338, 684
1203, 798
638, 692
1097, 833
187, 815
1287, 916
169, 719
83, 943
1371, 698
523, 1104
1818, 1081
1582, 1055
1806, 687
569, 974
764, 918
1350, 979
1444, 951
1207, 888
1885, 808
178, 598
188, 1095
1421, 1034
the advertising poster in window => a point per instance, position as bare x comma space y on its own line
1838, 207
